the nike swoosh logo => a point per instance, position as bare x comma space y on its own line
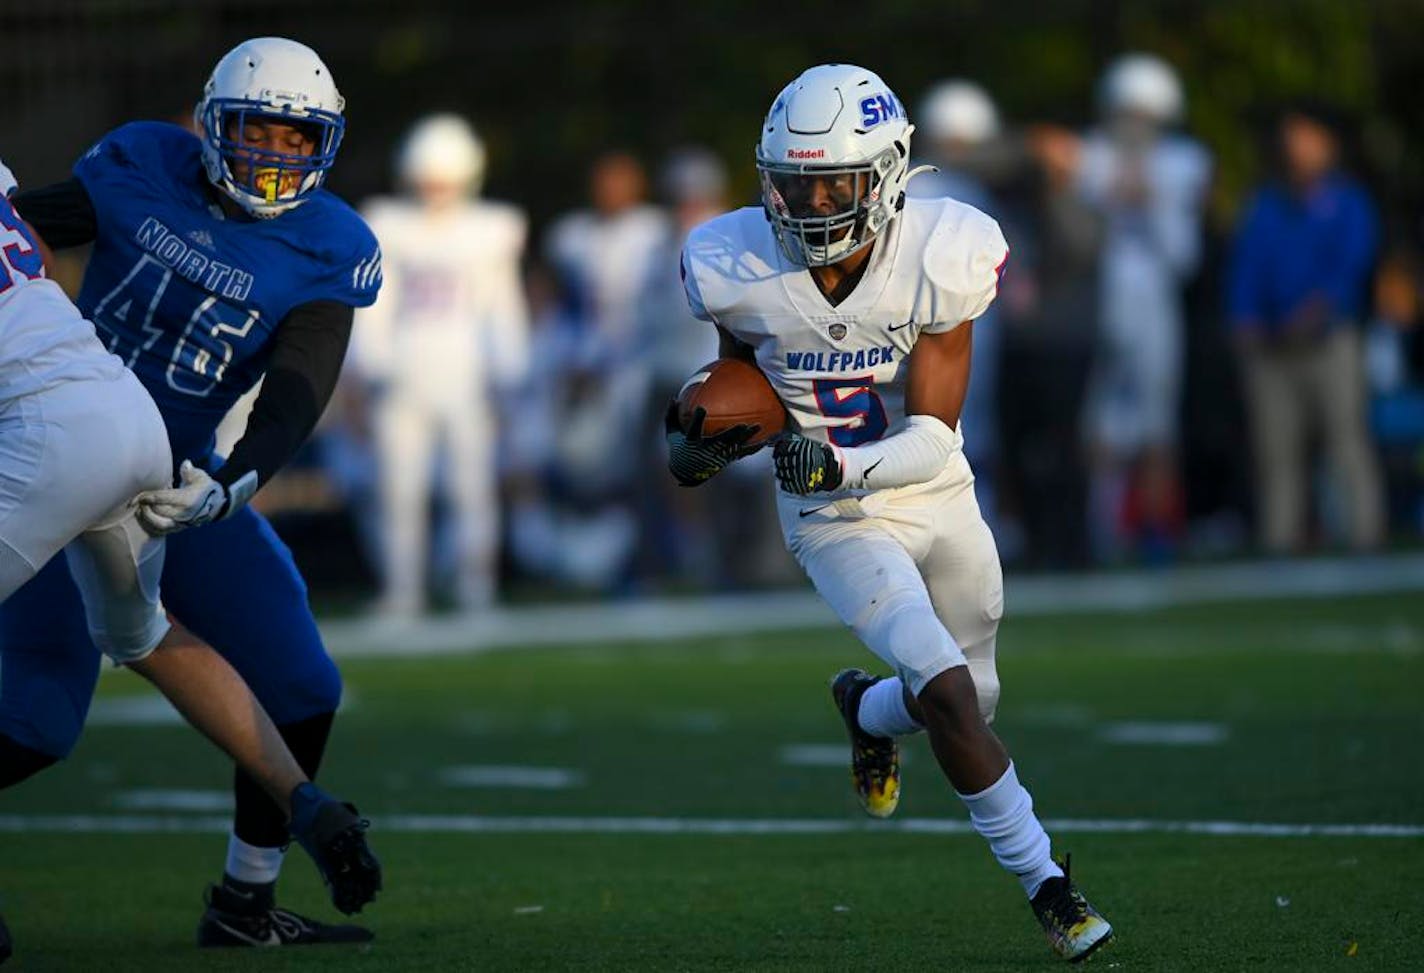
809, 512
872, 466
897, 327
272, 938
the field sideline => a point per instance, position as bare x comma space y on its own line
1241, 785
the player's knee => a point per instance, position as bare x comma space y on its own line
307, 691
49, 725
907, 632
986, 687
950, 700
19, 762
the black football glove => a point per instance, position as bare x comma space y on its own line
805, 466
694, 458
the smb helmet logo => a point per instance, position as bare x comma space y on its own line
878, 108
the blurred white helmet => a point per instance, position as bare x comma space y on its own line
834, 159
442, 149
959, 111
1142, 84
269, 77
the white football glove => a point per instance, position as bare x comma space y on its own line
197, 500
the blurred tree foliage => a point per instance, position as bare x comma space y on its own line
551, 84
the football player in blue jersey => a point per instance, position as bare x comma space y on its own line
217, 260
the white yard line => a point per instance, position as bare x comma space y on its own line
1165, 734
475, 824
512, 777
671, 619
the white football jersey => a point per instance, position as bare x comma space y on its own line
840, 369
451, 310
44, 340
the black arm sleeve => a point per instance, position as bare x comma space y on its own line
301, 375
62, 214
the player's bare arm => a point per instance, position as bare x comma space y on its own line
939, 374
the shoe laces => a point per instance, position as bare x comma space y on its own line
1067, 907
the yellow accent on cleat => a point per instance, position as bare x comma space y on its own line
874, 761
883, 796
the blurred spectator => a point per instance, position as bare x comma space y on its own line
958, 127
1393, 349
725, 533
448, 329
1299, 285
577, 518
1149, 184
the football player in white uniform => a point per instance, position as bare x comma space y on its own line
449, 326
858, 306
1149, 183
80, 438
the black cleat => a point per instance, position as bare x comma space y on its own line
233, 919
7, 946
874, 761
333, 833
1073, 927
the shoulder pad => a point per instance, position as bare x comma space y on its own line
725, 254
963, 258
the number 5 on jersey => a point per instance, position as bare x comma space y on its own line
851, 398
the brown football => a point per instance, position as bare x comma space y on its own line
733, 392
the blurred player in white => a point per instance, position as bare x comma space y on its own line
963, 125
449, 328
858, 305
1150, 184
80, 439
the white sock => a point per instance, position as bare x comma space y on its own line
1003, 814
249, 863
882, 710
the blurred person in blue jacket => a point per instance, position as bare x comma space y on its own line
1149, 184
1300, 273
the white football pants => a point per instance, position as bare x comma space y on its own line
72, 457
408, 432
912, 571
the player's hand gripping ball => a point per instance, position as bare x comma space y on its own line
805, 466
726, 410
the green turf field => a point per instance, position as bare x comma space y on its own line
1305, 712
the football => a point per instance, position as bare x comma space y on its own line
732, 391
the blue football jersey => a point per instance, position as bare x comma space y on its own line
189, 298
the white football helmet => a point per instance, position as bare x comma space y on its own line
442, 149
959, 111
1142, 84
277, 78
833, 159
